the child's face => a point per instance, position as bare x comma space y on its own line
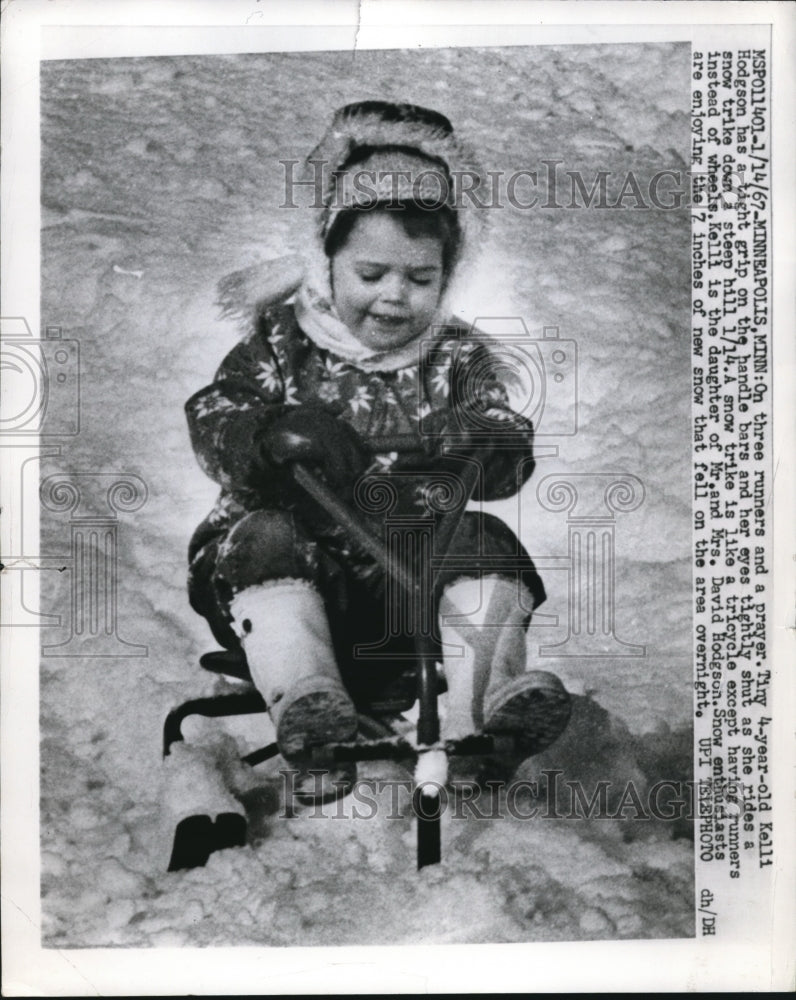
387, 285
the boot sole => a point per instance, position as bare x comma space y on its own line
534, 707
320, 716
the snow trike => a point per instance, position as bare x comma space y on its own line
381, 691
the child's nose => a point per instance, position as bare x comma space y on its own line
394, 289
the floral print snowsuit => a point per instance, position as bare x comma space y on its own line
259, 531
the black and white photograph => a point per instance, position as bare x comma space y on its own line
364, 460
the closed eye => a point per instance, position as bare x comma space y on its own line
423, 275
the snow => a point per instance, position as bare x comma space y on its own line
159, 177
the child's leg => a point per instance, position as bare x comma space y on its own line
265, 585
483, 621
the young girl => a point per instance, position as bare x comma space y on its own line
359, 354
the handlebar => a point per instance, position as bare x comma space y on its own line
353, 527
396, 442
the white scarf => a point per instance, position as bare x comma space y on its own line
317, 317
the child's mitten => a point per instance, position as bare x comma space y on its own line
313, 434
501, 442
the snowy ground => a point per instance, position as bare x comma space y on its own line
159, 176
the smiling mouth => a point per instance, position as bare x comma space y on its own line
383, 319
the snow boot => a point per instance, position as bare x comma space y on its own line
489, 688
285, 635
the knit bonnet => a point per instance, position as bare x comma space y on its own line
377, 152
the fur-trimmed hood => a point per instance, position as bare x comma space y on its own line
367, 128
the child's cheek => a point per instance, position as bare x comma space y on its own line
364, 300
427, 302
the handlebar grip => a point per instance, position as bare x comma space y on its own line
396, 442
